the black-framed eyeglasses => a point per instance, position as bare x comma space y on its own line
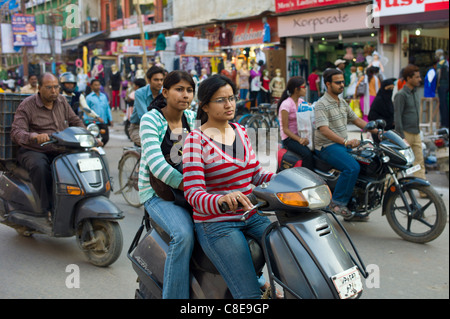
223, 100
55, 87
339, 82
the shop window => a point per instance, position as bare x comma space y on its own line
119, 10
147, 6
423, 48
168, 10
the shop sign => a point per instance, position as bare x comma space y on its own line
116, 25
245, 33
251, 32
385, 8
333, 20
292, 5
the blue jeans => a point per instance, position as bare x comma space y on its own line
337, 156
226, 246
177, 222
243, 94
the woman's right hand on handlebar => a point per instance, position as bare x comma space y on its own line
235, 200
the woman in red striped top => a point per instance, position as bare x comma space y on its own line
219, 165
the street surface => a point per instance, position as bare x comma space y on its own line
41, 267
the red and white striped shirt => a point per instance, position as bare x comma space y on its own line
209, 173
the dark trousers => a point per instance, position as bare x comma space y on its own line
443, 104
302, 150
38, 166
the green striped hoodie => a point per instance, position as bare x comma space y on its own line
152, 130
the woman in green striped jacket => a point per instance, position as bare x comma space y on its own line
162, 131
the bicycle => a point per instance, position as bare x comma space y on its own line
269, 111
129, 175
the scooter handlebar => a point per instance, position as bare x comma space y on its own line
224, 206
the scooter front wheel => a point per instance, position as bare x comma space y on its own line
101, 241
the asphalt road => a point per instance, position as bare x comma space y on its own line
41, 267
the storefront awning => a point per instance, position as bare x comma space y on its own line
81, 39
136, 32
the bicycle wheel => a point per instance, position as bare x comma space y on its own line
128, 178
244, 119
253, 127
256, 122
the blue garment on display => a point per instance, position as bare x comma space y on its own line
266, 36
430, 83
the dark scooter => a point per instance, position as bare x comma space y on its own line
303, 250
81, 207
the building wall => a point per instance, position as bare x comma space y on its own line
197, 12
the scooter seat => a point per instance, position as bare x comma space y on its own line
201, 261
18, 171
321, 165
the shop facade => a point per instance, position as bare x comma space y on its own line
412, 32
325, 31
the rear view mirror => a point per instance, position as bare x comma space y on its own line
381, 123
370, 126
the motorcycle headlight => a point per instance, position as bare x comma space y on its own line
409, 155
316, 197
86, 140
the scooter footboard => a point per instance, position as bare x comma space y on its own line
304, 256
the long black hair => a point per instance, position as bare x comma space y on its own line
207, 89
293, 83
171, 79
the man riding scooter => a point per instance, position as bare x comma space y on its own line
36, 118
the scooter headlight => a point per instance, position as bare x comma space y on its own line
408, 154
313, 198
86, 140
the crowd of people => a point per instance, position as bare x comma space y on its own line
215, 163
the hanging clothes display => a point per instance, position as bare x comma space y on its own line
212, 64
294, 68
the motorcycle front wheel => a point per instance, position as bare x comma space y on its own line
426, 217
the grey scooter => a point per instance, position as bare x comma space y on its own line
81, 205
302, 248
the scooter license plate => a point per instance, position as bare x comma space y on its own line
89, 164
348, 283
413, 169
442, 152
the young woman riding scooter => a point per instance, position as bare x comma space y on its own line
160, 130
219, 166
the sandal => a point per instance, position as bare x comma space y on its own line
266, 292
340, 210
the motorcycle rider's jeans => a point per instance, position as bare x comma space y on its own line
177, 222
338, 156
226, 246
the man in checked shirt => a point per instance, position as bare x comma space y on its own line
36, 118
